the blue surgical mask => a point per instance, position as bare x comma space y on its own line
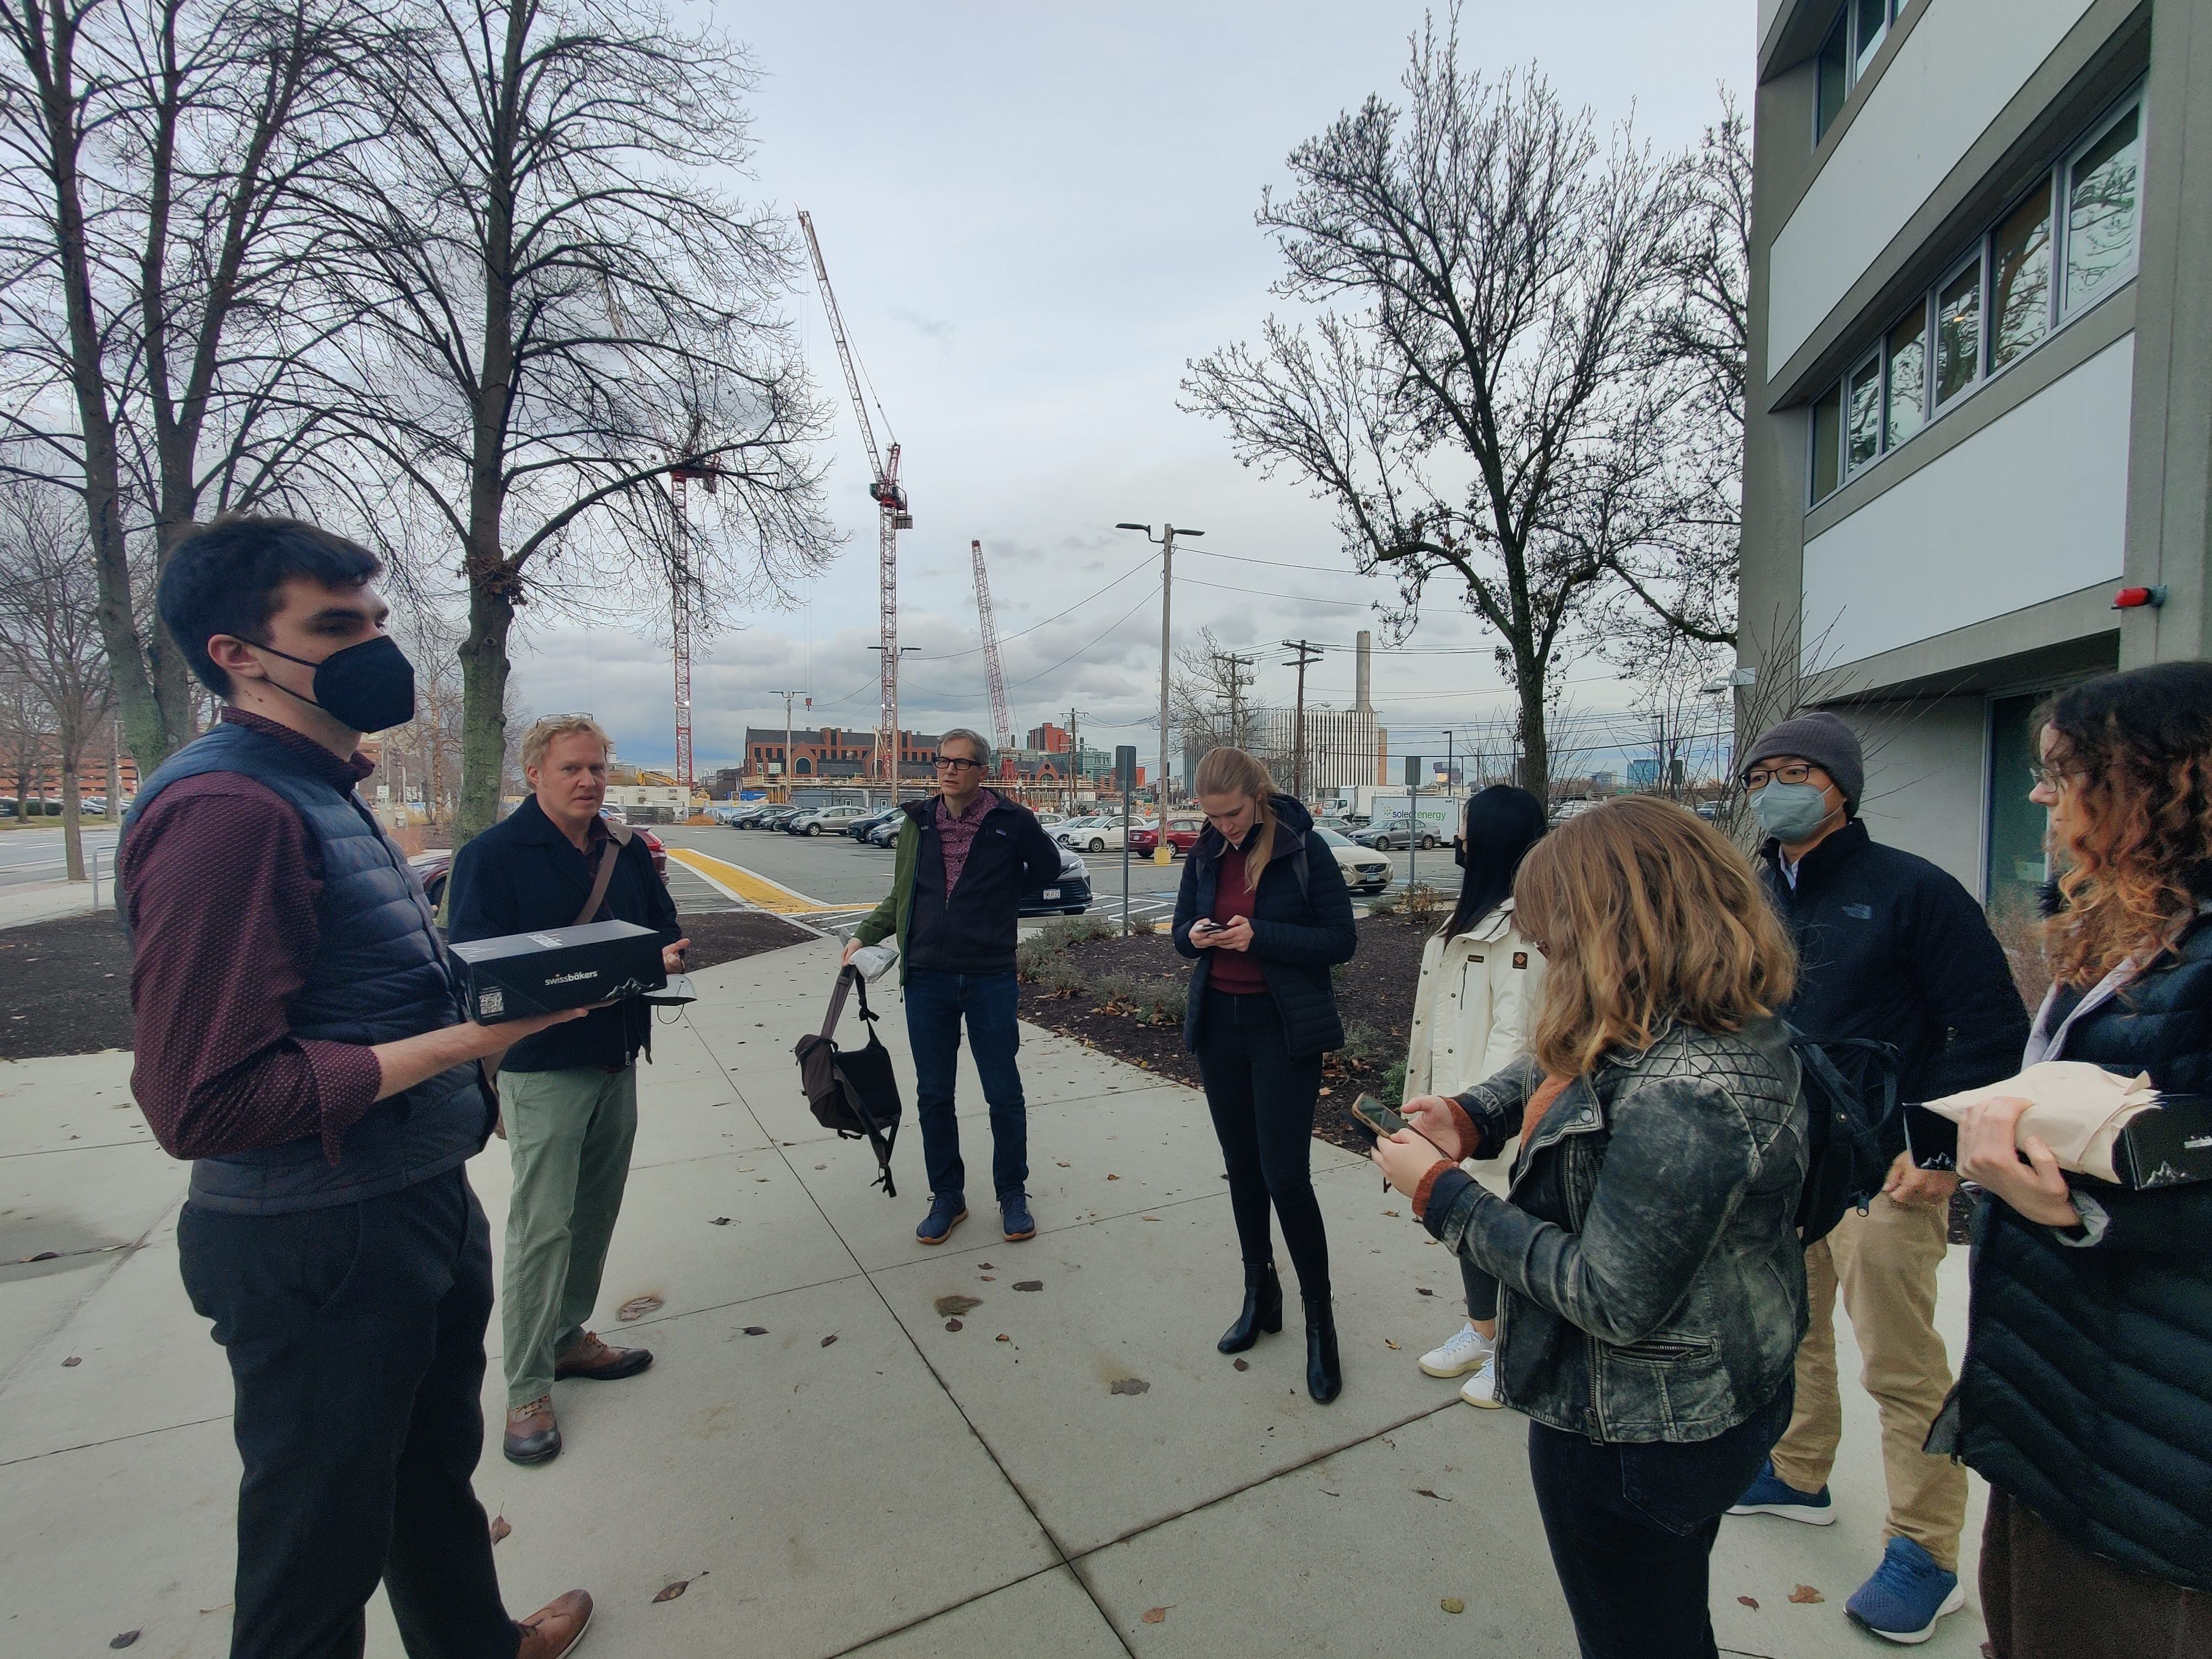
1790, 813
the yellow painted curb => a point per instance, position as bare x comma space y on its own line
754, 888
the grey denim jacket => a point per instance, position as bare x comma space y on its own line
1654, 1285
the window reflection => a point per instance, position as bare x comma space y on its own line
1959, 333
2019, 280
1865, 439
2101, 209
1908, 379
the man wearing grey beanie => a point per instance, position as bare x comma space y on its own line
1889, 947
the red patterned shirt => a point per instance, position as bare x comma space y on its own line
956, 835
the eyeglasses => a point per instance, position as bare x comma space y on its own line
1759, 776
940, 762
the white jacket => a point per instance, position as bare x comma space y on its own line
1475, 1006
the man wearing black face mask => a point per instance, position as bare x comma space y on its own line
1891, 948
300, 1038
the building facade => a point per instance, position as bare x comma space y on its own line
832, 753
1979, 385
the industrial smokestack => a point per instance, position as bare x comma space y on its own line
1365, 645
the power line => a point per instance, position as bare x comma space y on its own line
978, 650
1086, 646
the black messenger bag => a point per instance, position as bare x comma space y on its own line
852, 1090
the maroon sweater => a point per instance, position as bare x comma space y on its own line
222, 881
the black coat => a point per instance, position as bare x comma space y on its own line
523, 874
2086, 1391
1302, 927
1891, 948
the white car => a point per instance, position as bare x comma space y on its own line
1102, 835
1365, 871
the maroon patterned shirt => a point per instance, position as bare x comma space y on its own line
956, 835
222, 882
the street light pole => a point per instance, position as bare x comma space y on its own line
1165, 541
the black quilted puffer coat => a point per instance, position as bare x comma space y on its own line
2085, 1392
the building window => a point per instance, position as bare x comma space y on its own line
2076, 227
1846, 54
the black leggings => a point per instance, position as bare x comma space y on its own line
1262, 1102
1481, 1291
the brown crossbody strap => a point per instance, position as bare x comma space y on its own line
607, 857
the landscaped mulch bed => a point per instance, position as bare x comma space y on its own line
65, 985
1128, 1006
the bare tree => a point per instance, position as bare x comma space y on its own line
50, 632
1208, 695
162, 168
567, 307
1475, 408
25, 732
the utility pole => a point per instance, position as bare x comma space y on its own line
1308, 654
1166, 541
1236, 666
787, 696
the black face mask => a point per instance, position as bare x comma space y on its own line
369, 687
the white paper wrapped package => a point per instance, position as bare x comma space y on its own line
2076, 1109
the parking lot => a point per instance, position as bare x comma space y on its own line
831, 880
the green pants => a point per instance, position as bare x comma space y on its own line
569, 1133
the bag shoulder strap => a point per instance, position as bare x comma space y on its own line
606, 874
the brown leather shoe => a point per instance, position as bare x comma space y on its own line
533, 1435
596, 1362
557, 1627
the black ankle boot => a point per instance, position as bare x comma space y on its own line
1324, 1374
1263, 1310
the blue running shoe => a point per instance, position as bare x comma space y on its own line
1906, 1596
1017, 1222
946, 1212
1769, 1494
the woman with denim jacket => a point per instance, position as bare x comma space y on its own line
1654, 1285
2085, 1396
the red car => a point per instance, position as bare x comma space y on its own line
433, 867
1183, 835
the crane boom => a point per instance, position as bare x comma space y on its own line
1002, 717
889, 496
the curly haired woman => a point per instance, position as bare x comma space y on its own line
2086, 1394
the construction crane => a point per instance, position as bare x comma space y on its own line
1002, 717
889, 496
682, 581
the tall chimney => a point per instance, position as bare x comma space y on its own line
1365, 643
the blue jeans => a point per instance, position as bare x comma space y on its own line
935, 1003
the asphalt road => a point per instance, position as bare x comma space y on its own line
837, 871
27, 856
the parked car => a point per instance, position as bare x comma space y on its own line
738, 814
774, 818
432, 867
1572, 808
828, 820
1393, 834
1070, 895
885, 833
1051, 821
859, 827
1069, 833
1365, 871
1182, 835
1102, 837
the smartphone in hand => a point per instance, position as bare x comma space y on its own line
1374, 1118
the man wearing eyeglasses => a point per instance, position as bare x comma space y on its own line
1891, 948
966, 856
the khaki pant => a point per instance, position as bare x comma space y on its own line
569, 1134
1885, 1263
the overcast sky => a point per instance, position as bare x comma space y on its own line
1033, 216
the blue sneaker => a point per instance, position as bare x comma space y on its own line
946, 1212
1906, 1596
1769, 1494
1015, 1217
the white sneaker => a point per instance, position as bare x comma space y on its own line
1482, 1388
1462, 1354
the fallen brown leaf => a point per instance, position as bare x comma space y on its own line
1003, 1337
1326, 1093
1112, 1177
720, 1221
499, 1527
1423, 1290
987, 1266
74, 1359
1749, 1602
1387, 1343
669, 1592
954, 1325
1130, 1385
1029, 1284
949, 1307
1452, 1604
1438, 1496
756, 1330
1805, 1595
827, 1340
1243, 1366
1156, 1616
1061, 1162
638, 1306
1389, 1213
123, 1640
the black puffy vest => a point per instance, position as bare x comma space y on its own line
380, 973
2086, 1391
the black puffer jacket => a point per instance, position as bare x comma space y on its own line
1654, 1287
1302, 927
2085, 1392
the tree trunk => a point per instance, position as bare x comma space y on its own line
1535, 742
72, 810
483, 712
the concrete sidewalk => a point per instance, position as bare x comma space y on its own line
858, 1477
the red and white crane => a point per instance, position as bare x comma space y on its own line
1002, 717
891, 499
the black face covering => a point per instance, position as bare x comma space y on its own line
369, 687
